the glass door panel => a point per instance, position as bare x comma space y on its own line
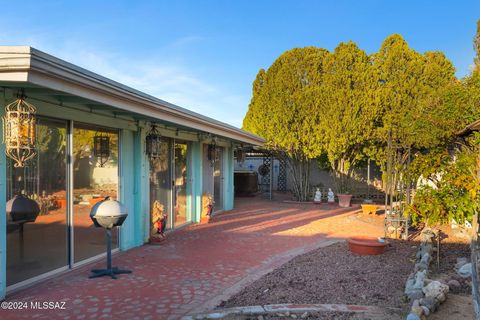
218, 181
161, 184
39, 245
180, 212
92, 182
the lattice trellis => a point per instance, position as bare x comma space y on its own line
282, 175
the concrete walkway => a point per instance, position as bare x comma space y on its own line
196, 267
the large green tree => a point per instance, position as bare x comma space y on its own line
347, 107
283, 110
344, 106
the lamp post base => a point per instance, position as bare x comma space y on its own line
108, 272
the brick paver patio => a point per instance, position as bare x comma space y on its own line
197, 267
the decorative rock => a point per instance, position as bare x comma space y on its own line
466, 270
417, 310
461, 262
421, 266
441, 297
453, 284
435, 289
429, 303
413, 316
416, 303
426, 311
415, 294
409, 285
420, 279
426, 258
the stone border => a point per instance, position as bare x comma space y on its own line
291, 310
426, 295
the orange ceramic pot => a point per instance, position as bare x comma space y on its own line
366, 246
344, 200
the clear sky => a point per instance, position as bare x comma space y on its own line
203, 55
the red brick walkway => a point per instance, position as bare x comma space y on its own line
197, 266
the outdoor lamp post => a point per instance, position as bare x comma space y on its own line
153, 143
101, 148
108, 214
19, 129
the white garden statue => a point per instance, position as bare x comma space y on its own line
318, 196
330, 196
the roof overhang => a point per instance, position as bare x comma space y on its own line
23, 64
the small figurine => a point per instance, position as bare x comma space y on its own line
159, 222
208, 204
330, 196
318, 197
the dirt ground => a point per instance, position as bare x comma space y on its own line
334, 275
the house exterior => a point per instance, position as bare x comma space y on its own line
66, 177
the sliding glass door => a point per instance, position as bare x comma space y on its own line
43, 243
161, 183
169, 187
218, 181
181, 187
38, 245
94, 179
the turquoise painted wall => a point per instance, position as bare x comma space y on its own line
196, 181
127, 190
228, 200
3, 220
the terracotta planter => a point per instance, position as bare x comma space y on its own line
156, 240
369, 208
94, 201
62, 203
366, 246
204, 219
344, 200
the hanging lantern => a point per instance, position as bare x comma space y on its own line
153, 143
19, 128
241, 155
101, 148
212, 152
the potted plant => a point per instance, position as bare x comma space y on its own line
207, 207
342, 184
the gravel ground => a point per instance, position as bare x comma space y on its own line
334, 275
311, 316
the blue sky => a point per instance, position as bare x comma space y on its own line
203, 55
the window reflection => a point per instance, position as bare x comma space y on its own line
34, 248
93, 180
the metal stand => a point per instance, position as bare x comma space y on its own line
110, 271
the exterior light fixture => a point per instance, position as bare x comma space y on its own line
241, 155
153, 143
101, 148
19, 130
212, 152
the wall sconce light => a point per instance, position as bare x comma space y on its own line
19, 131
153, 143
101, 147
